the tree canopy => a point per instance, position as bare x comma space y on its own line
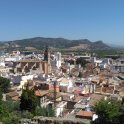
109, 112
8, 112
81, 61
28, 100
48, 111
4, 84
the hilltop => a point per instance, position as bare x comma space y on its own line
41, 42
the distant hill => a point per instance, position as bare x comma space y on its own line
41, 42
116, 46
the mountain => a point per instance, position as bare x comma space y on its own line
116, 46
41, 42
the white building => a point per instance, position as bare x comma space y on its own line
119, 66
96, 61
2, 63
60, 108
67, 83
58, 59
25, 80
102, 63
12, 58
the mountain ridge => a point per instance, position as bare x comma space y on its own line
41, 42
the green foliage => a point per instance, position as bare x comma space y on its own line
28, 100
1, 96
13, 106
102, 53
4, 110
109, 111
81, 61
10, 112
4, 84
27, 114
48, 112
12, 119
8, 115
51, 112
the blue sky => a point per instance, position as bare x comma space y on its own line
72, 19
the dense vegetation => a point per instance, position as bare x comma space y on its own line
103, 53
109, 112
28, 100
4, 84
81, 61
11, 112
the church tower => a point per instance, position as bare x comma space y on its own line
47, 61
46, 54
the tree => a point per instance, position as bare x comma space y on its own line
8, 113
13, 118
71, 62
1, 96
45, 111
108, 111
4, 84
81, 61
28, 100
27, 114
4, 110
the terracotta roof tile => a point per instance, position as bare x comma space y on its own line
84, 113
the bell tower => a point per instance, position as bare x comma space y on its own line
46, 54
47, 60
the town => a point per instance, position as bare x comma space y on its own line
72, 84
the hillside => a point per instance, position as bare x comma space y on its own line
41, 42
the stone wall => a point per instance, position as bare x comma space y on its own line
52, 120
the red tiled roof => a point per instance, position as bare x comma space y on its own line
82, 113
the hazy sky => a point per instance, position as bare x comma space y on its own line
72, 19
